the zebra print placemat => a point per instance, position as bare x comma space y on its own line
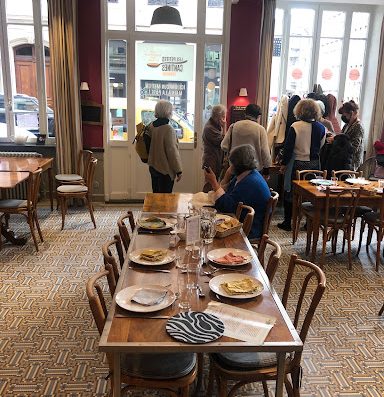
195, 327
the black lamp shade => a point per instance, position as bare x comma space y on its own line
166, 15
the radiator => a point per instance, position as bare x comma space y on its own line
18, 192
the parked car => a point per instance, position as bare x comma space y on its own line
26, 110
22, 135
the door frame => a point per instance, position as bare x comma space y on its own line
200, 39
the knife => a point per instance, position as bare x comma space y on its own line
118, 315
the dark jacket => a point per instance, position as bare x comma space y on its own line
340, 155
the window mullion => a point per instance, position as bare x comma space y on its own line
285, 50
315, 48
40, 70
344, 65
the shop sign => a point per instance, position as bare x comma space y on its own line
167, 62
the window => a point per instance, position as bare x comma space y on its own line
334, 35
25, 87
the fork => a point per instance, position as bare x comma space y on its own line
150, 270
223, 269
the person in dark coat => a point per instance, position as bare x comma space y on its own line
213, 134
340, 155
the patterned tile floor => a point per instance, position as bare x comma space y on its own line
48, 341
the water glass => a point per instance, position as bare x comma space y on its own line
208, 224
193, 271
381, 184
334, 180
184, 291
181, 257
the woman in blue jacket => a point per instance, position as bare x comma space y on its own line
242, 183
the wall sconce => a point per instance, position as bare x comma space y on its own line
243, 92
166, 15
84, 86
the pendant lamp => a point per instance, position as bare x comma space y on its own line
166, 15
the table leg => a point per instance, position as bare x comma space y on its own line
50, 185
116, 375
315, 229
280, 374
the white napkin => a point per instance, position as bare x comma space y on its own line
202, 199
149, 296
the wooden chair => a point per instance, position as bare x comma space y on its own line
302, 208
84, 192
110, 259
27, 207
83, 160
274, 257
375, 222
123, 230
368, 168
269, 211
173, 372
381, 310
248, 219
243, 368
338, 216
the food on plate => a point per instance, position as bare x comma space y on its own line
243, 286
230, 258
153, 255
149, 296
225, 224
153, 222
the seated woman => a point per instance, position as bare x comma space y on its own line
247, 186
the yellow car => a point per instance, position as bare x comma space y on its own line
145, 112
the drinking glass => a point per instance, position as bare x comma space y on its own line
184, 290
193, 271
334, 180
181, 259
381, 184
208, 224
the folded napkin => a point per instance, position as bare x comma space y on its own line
202, 199
149, 296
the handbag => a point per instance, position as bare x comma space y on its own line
142, 142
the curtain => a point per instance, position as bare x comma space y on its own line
265, 58
65, 82
377, 119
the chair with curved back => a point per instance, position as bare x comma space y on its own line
375, 222
302, 208
27, 207
381, 310
269, 211
84, 192
243, 368
248, 219
368, 168
173, 372
83, 160
110, 261
274, 256
123, 229
338, 216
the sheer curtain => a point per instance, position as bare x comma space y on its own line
65, 82
377, 120
265, 58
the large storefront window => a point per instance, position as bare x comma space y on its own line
335, 36
26, 105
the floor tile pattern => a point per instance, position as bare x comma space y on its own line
48, 341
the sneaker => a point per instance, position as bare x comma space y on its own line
285, 226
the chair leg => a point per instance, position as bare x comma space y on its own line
38, 226
362, 227
200, 368
378, 251
185, 391
63, 207
265, 388
90, 207
381, 310
211, 379
32, 228
349, 248
369, 237
309, 237
288, 386
324, 247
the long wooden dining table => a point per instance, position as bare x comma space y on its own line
306, 191
124, 333
30, 164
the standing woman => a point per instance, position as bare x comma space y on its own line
354, 130
213, 134
301, 150
164, 157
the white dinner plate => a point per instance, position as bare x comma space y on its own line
356, 181
218, 253
134, 256
167, 225
123, 299
215, 285
321, 182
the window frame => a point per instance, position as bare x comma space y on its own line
39, 52
319, 7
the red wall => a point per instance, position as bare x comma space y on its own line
243, 56
244, 51
89, 42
